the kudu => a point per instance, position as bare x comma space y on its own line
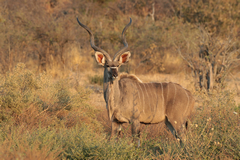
129, 100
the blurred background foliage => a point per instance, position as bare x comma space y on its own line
45, 36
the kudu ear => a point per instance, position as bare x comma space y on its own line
100, 58
124, 58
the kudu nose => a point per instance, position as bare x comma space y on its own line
114, 73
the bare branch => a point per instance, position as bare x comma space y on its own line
235, 60
179, 51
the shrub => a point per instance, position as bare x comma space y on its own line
17, 91
24, 95
96, 79
215, 129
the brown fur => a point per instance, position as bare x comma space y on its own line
130, 100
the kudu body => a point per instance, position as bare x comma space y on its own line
129, 100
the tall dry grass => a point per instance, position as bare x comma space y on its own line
52, 119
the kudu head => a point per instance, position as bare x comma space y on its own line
103, 58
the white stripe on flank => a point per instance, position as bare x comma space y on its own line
147, 95
187, 103
143, 97
155, 91
146, 92
174, 93
162, 97
138, 93
167, 92
151, 102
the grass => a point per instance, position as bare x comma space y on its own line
96, 79
47, 118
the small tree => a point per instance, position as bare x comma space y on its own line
211, 58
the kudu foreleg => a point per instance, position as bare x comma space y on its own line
116, 129
173, 130
136, 131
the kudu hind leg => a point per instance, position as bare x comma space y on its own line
173, 130
183, 131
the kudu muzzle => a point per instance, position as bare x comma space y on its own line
114, 72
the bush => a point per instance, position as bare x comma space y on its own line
21, 93
17, 92
96, 79
215, 129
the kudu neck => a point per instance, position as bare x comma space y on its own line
110, 84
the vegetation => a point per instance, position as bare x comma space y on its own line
96, 79
45, 32
47, 119
46, 66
